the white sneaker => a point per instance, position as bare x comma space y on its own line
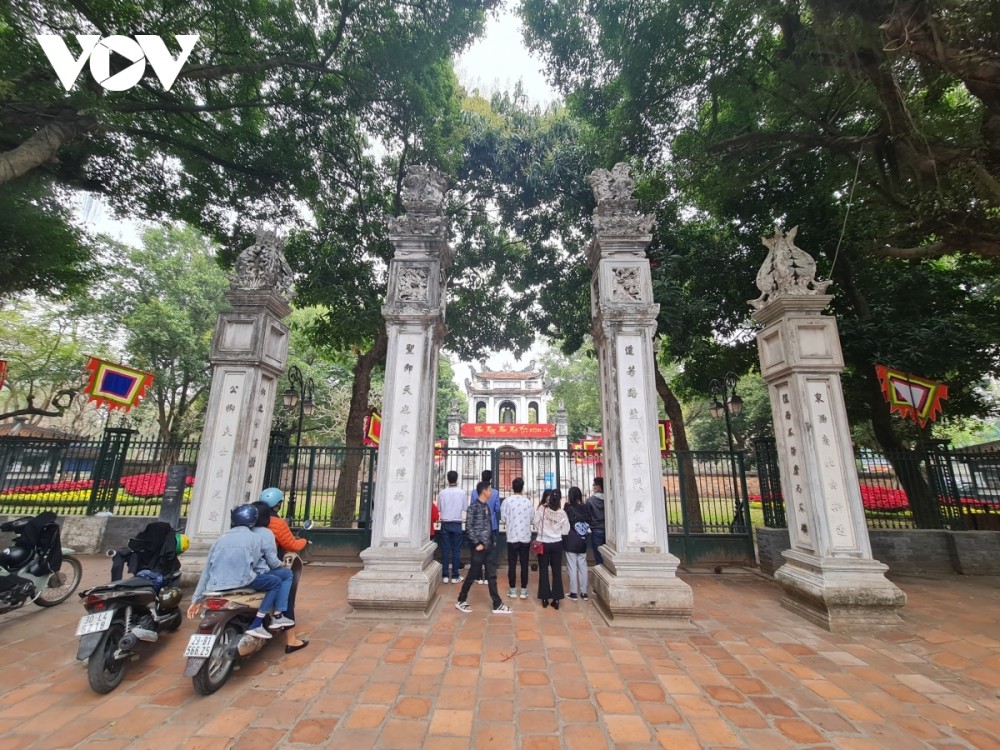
503, 609
463, 607
481, 581
445, 580
279, 623
524, 593
512, 593
457, 580
259, 632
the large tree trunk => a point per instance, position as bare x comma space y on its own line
689, 482
346, 499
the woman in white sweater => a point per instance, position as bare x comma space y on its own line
552, 524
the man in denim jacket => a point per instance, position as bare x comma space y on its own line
479, 532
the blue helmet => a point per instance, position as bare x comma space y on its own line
244, 515
272, 496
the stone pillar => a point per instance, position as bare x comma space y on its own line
638, 585
400, 577
829, 575
454, 425
249, 351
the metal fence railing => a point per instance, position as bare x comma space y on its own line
931, 487
62, 476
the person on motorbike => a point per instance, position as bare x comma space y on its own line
230, 565
272, 497
269, 562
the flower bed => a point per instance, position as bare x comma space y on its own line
137, 489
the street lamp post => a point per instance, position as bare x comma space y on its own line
725, 401
300, 393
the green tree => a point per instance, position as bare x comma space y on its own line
161, 302
448, 393
46, 348
40, 250
276, 105
576, 383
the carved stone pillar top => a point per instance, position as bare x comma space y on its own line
617, 216
262, 266
787, 272
423, 193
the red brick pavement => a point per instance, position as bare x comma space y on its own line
748, 674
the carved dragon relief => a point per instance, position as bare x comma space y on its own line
412, 285
627, 284
787, 270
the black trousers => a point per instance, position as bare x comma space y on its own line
484, 565
517, 552
550, 561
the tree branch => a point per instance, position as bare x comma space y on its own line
40, 148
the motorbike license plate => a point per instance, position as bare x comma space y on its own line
200, 646
95, 623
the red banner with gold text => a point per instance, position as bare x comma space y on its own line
487, 430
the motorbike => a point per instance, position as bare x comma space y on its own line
214, 651
125, 615
36, 567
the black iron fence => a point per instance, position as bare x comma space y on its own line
930, 487
118, 474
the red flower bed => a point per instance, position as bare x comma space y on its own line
139, 485
149, 485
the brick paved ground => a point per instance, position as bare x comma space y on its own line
747, 675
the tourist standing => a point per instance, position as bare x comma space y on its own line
494, 506
516, 514
479, 532
597, 533
552, 524
451, 505
575, 543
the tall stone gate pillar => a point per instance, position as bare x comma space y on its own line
637, 585
829, 575
249, 351
401, 577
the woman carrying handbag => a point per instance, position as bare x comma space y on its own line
552, 523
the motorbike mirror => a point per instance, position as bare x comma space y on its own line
110, 553
308, 524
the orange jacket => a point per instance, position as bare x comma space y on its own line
283, 536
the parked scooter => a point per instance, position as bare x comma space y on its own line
126, 613
36, 567
214, 651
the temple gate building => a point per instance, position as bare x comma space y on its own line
507, 419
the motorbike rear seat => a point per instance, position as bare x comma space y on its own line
128, 583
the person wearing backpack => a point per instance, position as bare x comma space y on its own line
575, 543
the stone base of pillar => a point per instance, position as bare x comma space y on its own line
642, 591
396, 584
839, 594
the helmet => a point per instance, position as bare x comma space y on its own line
170, 597
272, 496
244, 515
183, 542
